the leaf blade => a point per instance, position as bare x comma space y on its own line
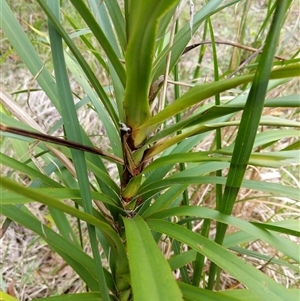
257, 282
147, 265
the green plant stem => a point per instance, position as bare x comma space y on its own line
199, 262
185, 195
183, 270
201, 54
218, 138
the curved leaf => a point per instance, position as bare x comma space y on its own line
194, 293
200, 92
34, 194
260, 284
57, 193
275, 188
246, 295
258, 231
83, 264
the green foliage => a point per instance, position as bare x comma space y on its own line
154, 150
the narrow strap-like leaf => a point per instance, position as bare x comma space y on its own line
151, 276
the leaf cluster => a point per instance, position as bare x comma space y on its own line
155, 147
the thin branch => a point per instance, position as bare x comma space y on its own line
180, 83
249, 59
189, 48
55, 140
161, 104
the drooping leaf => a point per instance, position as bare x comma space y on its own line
259, 284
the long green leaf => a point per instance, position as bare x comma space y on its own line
142, 24
275, 188
118, 20
200, 92
85, 13
57, 193
251, 115
257, 282
194, 293
268, 160
259, 231
72, 129
16, 165
249, 124
112, 237
102, 18
230, 242
83, 264
105, 22
209, 112
151, 276
89, 73
48, 200
246, 295
111, 131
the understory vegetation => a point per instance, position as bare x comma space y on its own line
149, 150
